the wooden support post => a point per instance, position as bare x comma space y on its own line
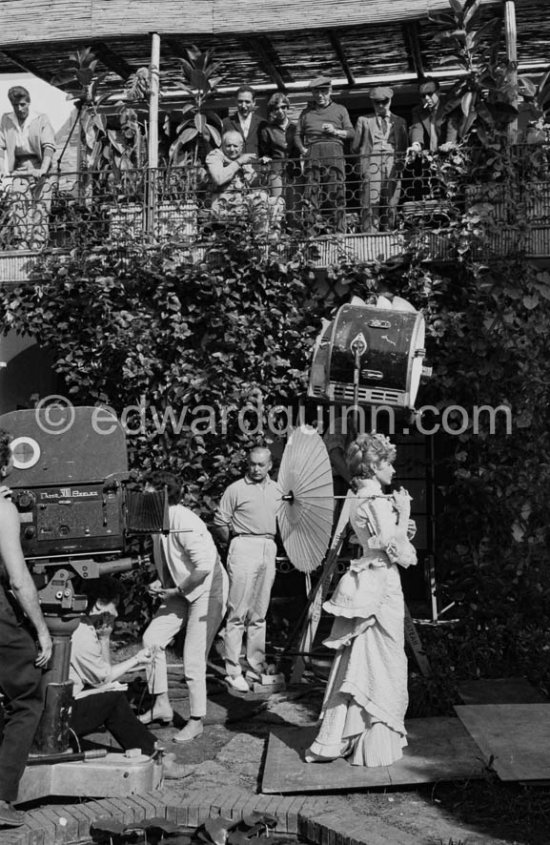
512, 56
153, 141
413, 640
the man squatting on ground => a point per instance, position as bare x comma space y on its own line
247, 515
21, 663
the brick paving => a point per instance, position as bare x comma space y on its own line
306, 816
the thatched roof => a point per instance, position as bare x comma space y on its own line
264, 43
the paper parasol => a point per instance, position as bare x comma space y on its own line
307, 499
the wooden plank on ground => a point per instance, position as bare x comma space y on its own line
439, 749
500, 691
514, 737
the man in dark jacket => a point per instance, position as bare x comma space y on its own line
245, 121
433, 130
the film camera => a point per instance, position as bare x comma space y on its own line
78, 511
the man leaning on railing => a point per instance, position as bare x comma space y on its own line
433, 129
323, 128
237, 195
27, 146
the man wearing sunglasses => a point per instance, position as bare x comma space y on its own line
381, 141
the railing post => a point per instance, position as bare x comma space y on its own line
153, 142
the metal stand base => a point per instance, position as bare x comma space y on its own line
115, 775
270, 683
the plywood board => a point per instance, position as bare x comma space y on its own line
439, 749
514, 737
500, 691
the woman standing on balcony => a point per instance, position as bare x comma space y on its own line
277, 143
27, 146
366, 698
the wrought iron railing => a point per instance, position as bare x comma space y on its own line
286, 199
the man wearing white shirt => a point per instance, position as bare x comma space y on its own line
246, 517
192, 586
27, 146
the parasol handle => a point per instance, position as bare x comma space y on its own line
288, 497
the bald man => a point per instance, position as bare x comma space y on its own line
232, 177
247, 517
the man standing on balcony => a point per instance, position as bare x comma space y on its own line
432, 129
247, 516
381, 141
27, 146
323, 128
245, 121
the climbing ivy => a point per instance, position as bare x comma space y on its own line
195, 358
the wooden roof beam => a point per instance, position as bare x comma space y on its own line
263, 50
341, 56
25, 65
411, 37
112, 60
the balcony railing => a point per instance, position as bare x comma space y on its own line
279, 201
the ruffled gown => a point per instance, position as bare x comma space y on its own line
366, 697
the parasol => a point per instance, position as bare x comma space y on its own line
307, 502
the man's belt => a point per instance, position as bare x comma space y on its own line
267, 536
331, 140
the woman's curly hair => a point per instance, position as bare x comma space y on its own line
365, 452
5, 451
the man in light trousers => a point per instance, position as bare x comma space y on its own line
192, 586
247, 515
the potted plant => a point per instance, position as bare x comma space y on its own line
113, 159
198, 131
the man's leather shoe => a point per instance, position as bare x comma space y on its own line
163, 717
171, 769
192, 730
237, 682
10, 816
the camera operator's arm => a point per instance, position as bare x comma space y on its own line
119, 669
20, 579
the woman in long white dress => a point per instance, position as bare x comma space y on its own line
366, 698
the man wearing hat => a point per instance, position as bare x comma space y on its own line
323, 127
432, 129
381, 140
